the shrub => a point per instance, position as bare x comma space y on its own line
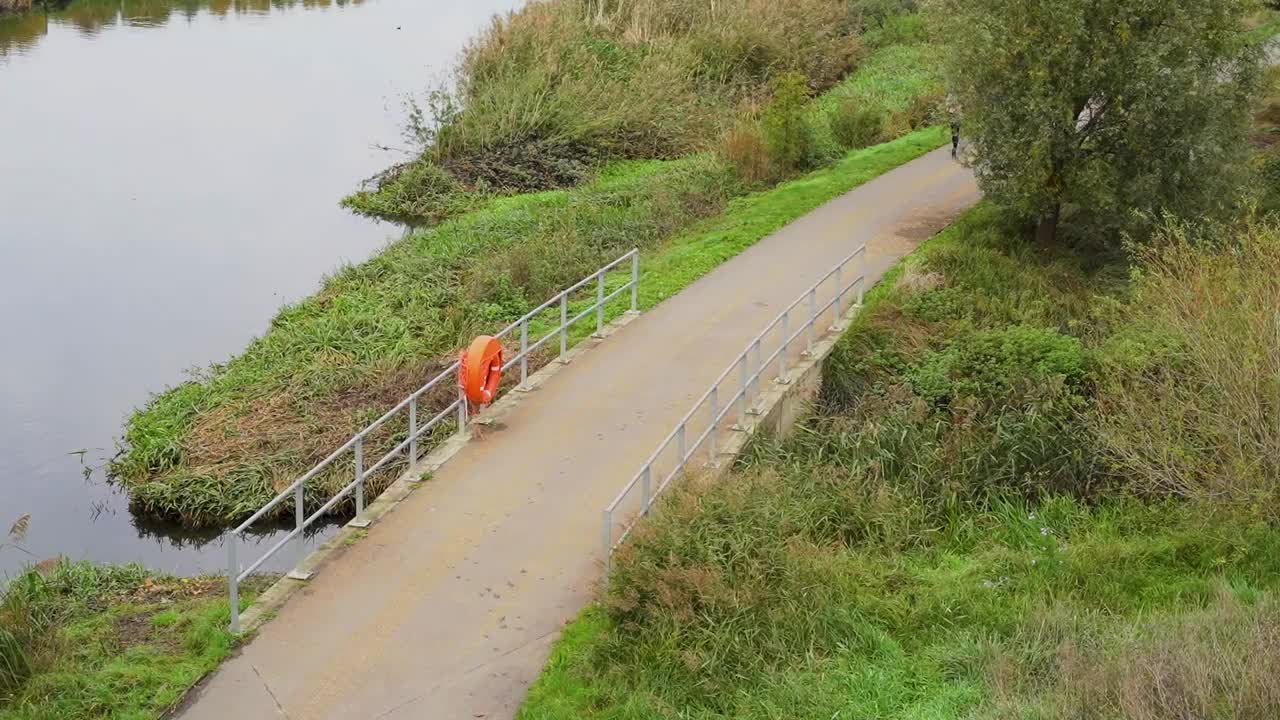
856, 126
925, 110
787, 133
744, 149
991, 363
1191, 403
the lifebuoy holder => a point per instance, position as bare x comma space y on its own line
480, 370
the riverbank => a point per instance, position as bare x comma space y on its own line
212, 451
977, 520
81, 641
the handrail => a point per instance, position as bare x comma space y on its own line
355, 445
748, 385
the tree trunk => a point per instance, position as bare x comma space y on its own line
1047, 229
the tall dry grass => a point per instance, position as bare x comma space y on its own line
1191, 405
548, 94
1219, 662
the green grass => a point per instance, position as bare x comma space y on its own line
215, 449
917, 628
943, 538
108, 642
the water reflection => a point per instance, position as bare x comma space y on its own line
22, 32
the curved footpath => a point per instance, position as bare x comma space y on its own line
449, 607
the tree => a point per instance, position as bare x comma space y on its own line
1103, 106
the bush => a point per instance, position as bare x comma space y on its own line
856, 126
925, 110
787, 133
989, 364
1191, 403
745, 151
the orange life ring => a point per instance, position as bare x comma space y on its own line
481, 370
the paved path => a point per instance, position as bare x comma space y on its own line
448, 609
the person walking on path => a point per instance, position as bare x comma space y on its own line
953, 112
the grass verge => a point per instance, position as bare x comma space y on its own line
950, 534
217, 448
81, 641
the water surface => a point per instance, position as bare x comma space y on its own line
169, 176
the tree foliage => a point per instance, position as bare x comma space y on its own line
1103, 107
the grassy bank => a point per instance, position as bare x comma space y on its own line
551, 93
215, 449
80, 641
978, 520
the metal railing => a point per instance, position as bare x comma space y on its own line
356, 445
744, 378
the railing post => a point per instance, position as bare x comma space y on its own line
564, 325
359, 474
715, 421
299, 514
745, 389
600, 304
413, 432
839, 296
759, 367
786, 343
524, 351
862, 274
607, 537
682, 445
635, 281
462, 410
813, 318
233, 581
646, 488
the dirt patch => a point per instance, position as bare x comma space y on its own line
132, 631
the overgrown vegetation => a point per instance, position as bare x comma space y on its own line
80, 641
1040, 480
958, 531
219, 447
551, 93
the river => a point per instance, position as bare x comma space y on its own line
169, 177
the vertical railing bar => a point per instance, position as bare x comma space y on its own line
715, 421
635, 282
359, 451
862, 275
524, 352
681, 445
600, 304
607, 537
299, 515
413, 432
646, 494
462, 410
813, 318
786, 337
745, 388
759, 368
564, 325
839, 295
233, 581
